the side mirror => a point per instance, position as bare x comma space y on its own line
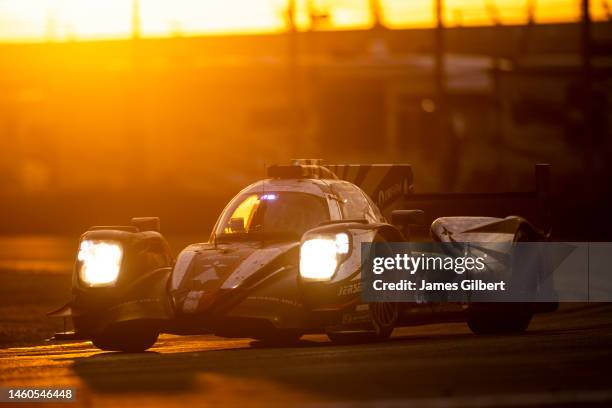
146, 223
406, 218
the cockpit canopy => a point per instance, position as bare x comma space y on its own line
271, 215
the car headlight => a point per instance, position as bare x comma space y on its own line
100, 262
320, 256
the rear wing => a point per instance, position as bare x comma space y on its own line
532, 204
390, 186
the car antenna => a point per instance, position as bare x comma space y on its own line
263, 195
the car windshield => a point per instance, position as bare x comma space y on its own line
271, 215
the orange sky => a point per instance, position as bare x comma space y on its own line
42, 20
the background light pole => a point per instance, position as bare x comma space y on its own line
293, 92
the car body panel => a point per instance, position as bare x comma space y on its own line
241, 287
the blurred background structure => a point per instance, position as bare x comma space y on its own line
116, 108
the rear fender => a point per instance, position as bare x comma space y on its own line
484, 229
530, 272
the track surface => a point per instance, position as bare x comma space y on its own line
564, 359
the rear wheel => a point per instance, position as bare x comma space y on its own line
501, 318
126, 338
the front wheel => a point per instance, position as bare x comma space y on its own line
384, 317
130, 339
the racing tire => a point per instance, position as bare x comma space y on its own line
384, 317
126, 339
499, 319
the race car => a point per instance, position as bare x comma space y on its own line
283, 259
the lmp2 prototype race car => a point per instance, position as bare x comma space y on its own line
283, 260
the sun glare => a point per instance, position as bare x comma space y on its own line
58, 20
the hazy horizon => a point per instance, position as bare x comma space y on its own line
64, 20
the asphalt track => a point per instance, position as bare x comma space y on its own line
565, 359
